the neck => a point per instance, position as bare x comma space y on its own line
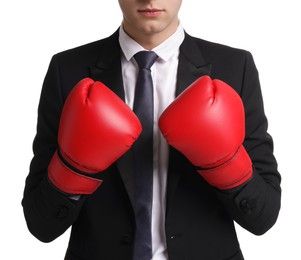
149, 40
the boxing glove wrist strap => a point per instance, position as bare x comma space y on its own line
68, 180
232, 173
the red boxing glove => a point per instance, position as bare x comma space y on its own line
206, 123
96, 128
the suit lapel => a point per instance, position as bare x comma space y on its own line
192, 65
108, 67
108, 71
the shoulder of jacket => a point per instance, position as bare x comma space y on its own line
215, 47
88, 48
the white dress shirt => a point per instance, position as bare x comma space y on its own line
164, 75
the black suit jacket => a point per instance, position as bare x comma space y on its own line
199, 218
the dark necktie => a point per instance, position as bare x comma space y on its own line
143, 156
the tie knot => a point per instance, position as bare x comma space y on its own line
145, 59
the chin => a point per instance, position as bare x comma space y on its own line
151, 29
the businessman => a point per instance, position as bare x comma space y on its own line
151, 144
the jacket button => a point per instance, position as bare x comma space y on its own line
126, 239
246, 206
174, 236
62, 212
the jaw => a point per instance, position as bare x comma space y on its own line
150, 32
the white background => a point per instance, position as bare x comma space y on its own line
32, 31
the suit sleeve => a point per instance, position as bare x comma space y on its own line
47, 211
255, 205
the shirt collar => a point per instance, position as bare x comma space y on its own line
165, 50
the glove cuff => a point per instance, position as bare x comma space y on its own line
69, 181
232, 173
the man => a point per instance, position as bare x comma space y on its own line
82, 177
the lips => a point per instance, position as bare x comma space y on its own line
151, 12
